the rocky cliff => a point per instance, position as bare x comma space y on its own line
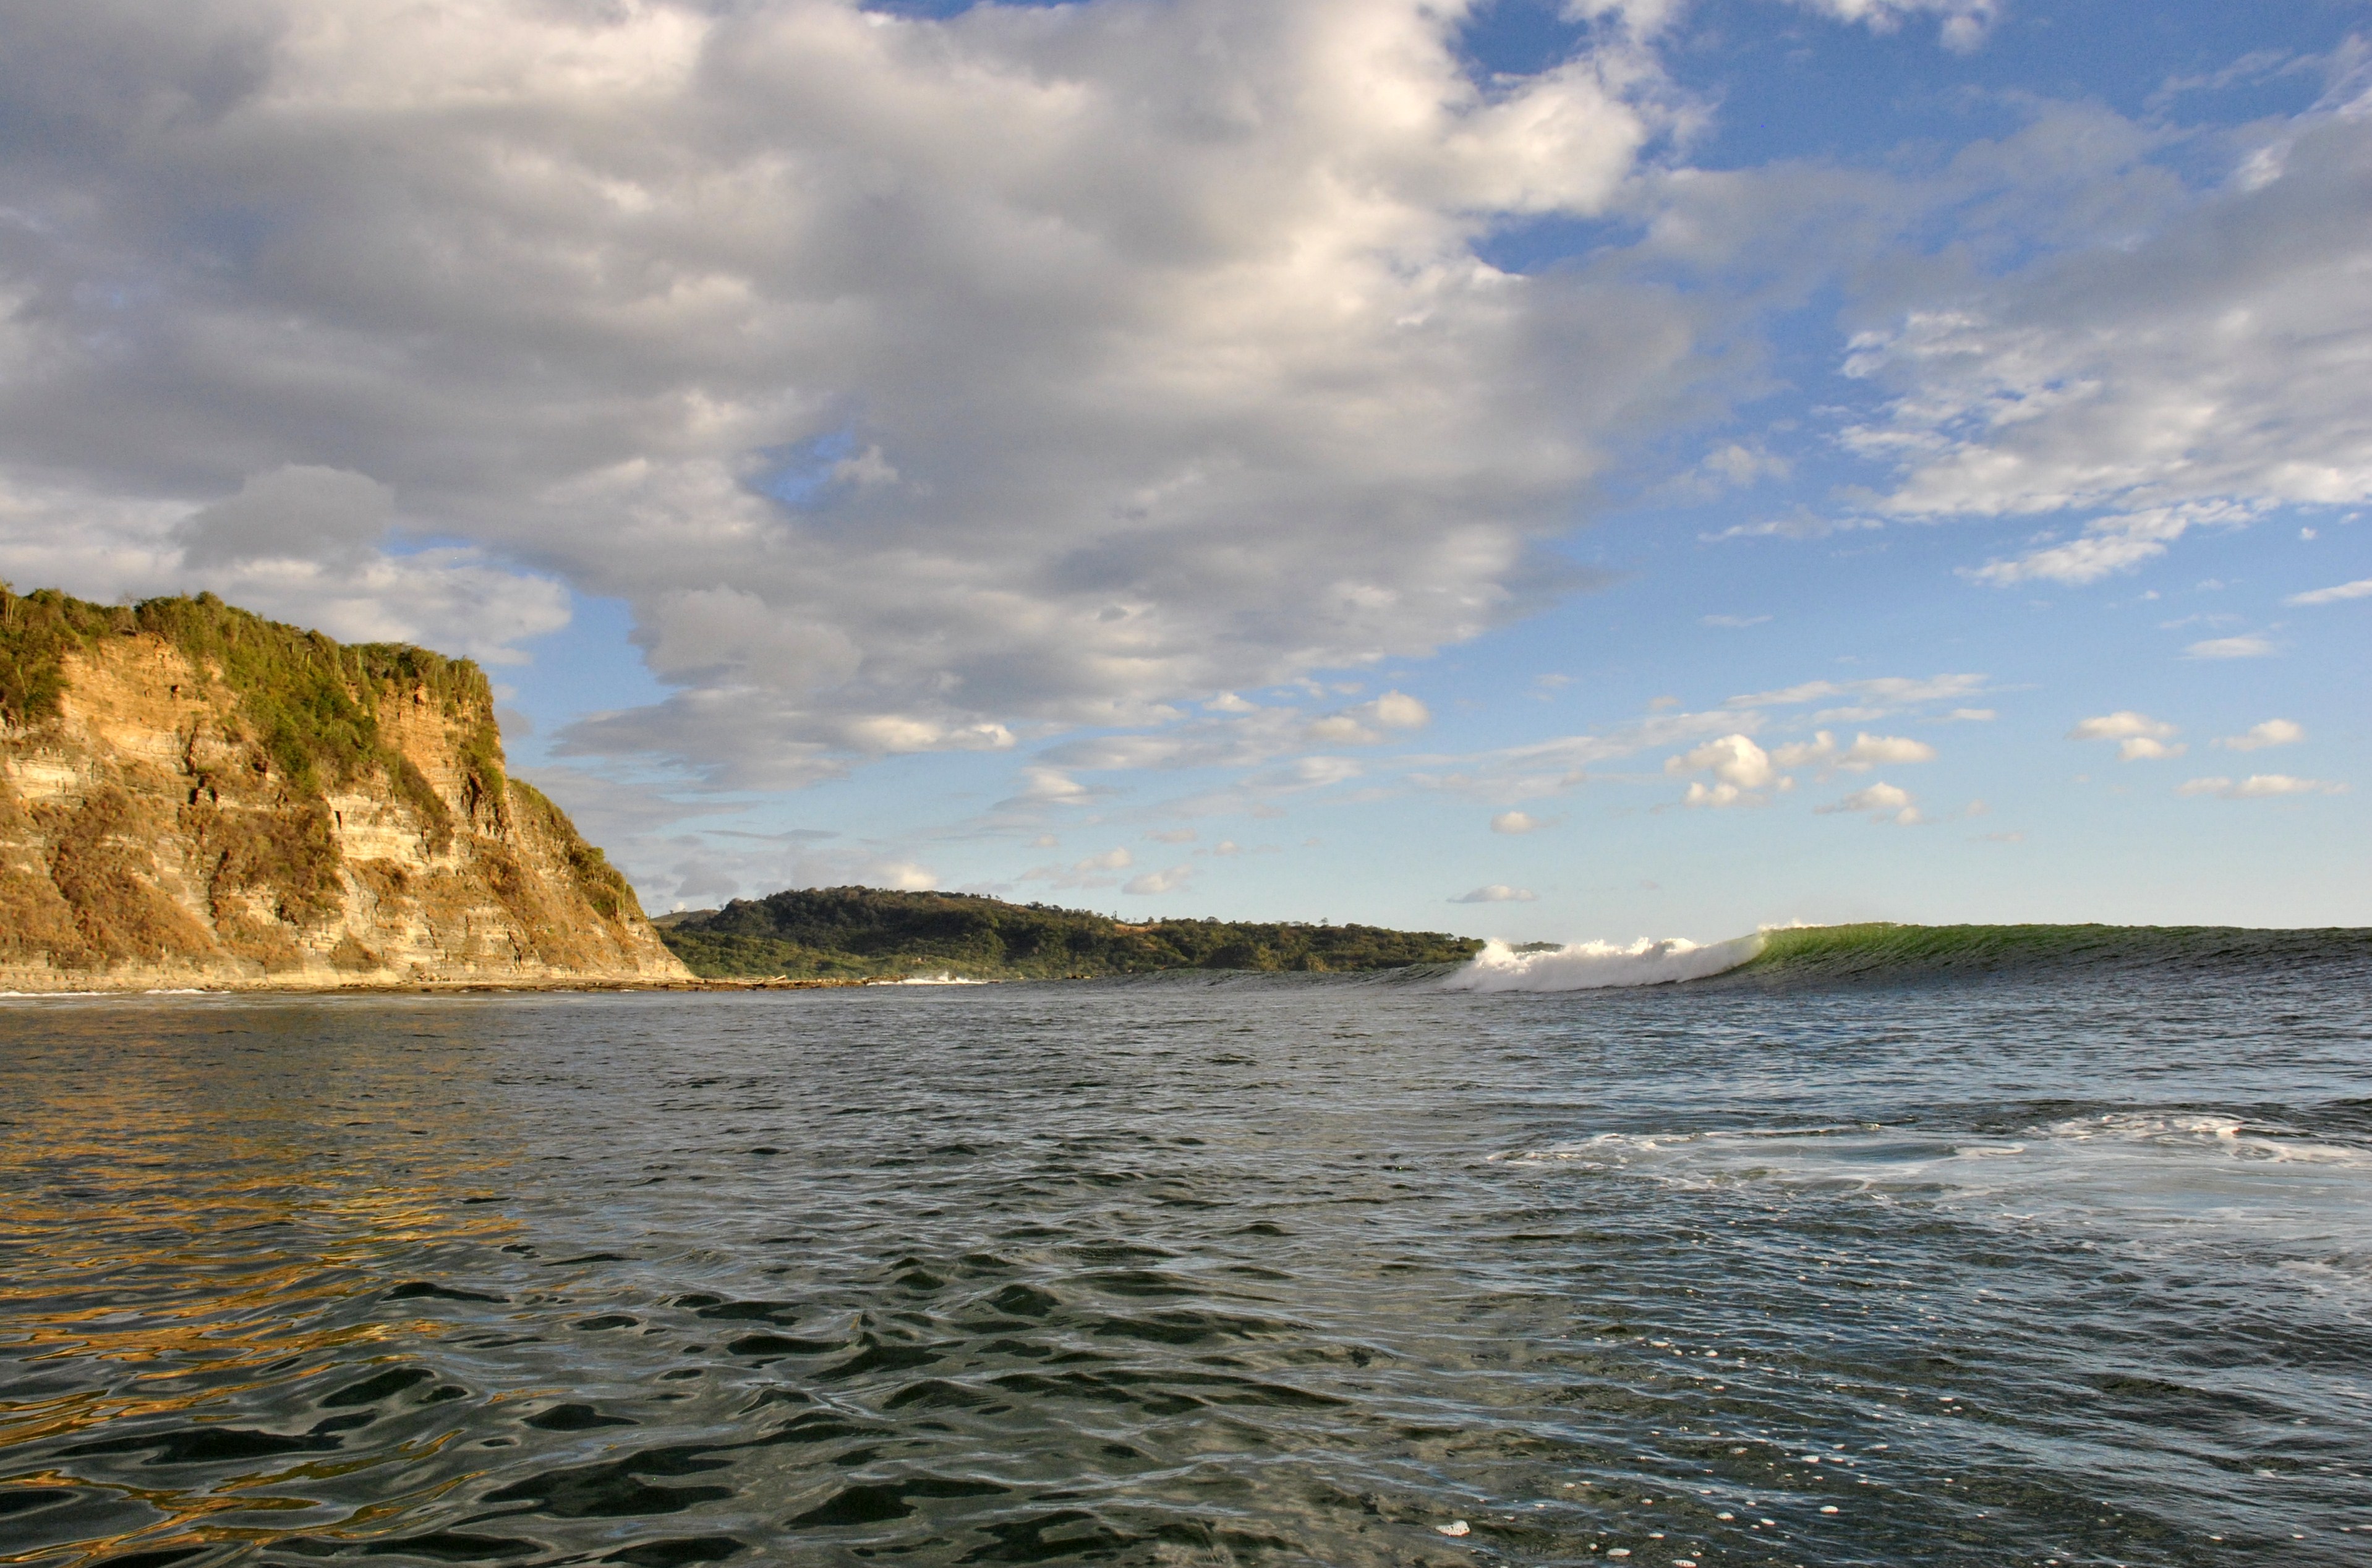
192, 796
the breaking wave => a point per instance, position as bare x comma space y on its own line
1592, 966
1781, 956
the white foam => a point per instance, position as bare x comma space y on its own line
2179, 1172
942, 978
1592, 966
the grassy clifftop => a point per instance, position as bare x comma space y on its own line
311, 704
832, 933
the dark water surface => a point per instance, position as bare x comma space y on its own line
1291, 1271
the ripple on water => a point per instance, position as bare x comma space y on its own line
1288, 1272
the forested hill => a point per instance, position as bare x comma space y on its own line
856, 933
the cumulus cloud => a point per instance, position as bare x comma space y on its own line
1514, 822
2360, 588
296, 543
1497, 893
918, 381
2139, 737
1866, 751
1742, 771
2272, 732
294, 513
1880, 802
2259, 787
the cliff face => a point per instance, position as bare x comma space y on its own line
191, 795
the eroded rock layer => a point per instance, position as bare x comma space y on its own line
191, 795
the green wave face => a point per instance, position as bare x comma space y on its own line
1879, 951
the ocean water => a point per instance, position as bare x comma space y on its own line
1930, 1262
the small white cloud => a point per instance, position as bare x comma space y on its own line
2250, 646
1971, 715
1229, 702
1741, 772
1111, 860
1226, 847
1173, 836
1051, 787
1166, 882
1369, 722
1497, 893
2272, 732
1883, 694
2360, 588
2141, 748
1732, 621
2259, 787
1880, 802
2122, 724
1868, 751
1514, 822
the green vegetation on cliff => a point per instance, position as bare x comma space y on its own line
855, 933
311, 704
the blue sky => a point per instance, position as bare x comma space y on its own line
1594, 471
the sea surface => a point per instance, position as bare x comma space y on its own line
2059, 1262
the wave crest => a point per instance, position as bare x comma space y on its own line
1593, 966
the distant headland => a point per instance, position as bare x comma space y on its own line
855, 933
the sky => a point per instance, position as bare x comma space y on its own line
1600, 470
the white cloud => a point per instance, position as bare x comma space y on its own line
1547, 767
1497, 893
2272, 732
1368, 723
2122, 724
1732, 622
1173, 836
917, 381
299, 544
1866, 751
2249, 646
1514, 822
1167, 881
1963, 24
1880, 802
1742, 773
2360, 588
2259, 787
2198, 357
2140, 739
1874, 697
2108, 545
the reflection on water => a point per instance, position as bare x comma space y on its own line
1293, 1272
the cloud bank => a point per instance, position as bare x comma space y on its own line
920, 383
